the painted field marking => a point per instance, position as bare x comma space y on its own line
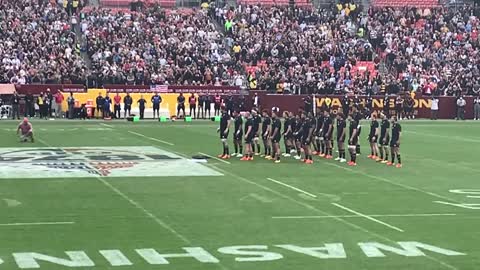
219, 159
150, 138
313, 208
257, 197
37, 223
12, 202
292, 187
356, 216
106, 125
144, 210
392, 182
367, 217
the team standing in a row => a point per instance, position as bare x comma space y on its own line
305, 136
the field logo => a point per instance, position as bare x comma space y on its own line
141, 161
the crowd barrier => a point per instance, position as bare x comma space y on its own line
422, 108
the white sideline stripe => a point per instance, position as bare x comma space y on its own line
37, 223
356, 216
367, 217
393, 183
315, 209
106, 125
292, 187
150, 138
219, 159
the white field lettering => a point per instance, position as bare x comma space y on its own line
471, 193
240, 254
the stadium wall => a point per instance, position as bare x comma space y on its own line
447, 105
422, 109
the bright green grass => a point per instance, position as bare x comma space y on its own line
168, 213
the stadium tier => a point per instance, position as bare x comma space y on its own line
406, 3
269, 3
127, 3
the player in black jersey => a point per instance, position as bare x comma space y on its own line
224, 129
358, 117
249, 134
266, 129
307, 133
288, 133
319, 144
353, 140
341, 134
297, 136
238, 134
373, 137
327, 132
257, 120
395, 142
384, 139
275, 136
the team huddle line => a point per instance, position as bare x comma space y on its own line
305, 135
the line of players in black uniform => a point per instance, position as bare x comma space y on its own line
305, 136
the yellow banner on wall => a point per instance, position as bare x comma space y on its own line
169, 101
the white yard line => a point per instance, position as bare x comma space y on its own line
106, 125
292, 187
313, 208
144, 210
150, 138
392, 182
214, 157
356, 216
367, 217
37, 223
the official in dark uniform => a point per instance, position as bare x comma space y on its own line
156, 101
141, 106
224, 130
208, 105
99, 101
127, 105
180, 105
201, 104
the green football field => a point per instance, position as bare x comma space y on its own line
119, 195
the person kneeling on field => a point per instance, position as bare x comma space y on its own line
25, 130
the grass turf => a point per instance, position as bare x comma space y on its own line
238, 208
